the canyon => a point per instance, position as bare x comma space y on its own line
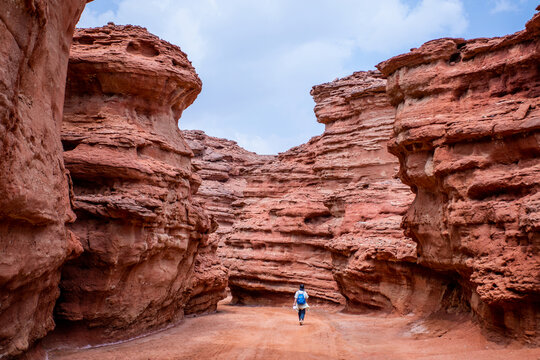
298, 217
461, 117
419, 202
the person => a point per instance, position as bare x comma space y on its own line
300, 303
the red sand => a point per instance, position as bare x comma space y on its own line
274, 333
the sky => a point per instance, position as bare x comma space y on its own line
258, 59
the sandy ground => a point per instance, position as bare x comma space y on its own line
274, 333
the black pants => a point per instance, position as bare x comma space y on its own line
301, 314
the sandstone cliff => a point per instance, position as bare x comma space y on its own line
325, 213
467, 135
133, 187
373, 263
34, 203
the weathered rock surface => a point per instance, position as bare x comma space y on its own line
133, 187
467, 134
222, 165
373, 263
34, 199
208, 283
326, 213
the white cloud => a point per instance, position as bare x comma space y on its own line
264, 146
92, 18
393, 23
503, 6
259, 59
368, 25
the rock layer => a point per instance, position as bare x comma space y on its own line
467, 135
133, 185
34, 199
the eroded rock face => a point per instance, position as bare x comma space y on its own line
222, 165
467, 134
326, 213
373, 263
259, 248
208, 283
34, 200
133, 184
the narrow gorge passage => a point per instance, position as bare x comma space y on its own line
241, 332
421, 196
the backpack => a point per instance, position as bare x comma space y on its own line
301, 300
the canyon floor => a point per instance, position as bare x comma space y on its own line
240, 332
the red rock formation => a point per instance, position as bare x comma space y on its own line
373, 264
326, 213
133, 185
467, 134
237, 186
34, 204
222, 164
208, 283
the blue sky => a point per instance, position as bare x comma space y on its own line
259, 59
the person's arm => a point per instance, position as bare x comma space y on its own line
295, 296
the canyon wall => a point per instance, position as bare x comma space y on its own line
373, 263
35, 37
296, 207
222, 165
133, 187
326, 213
467, 135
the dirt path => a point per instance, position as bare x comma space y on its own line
273, 333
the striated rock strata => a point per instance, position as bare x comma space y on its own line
222, 165
326, 213
467, 135
34, 200
133, 188
373, 263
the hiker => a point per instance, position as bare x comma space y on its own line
300, 303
